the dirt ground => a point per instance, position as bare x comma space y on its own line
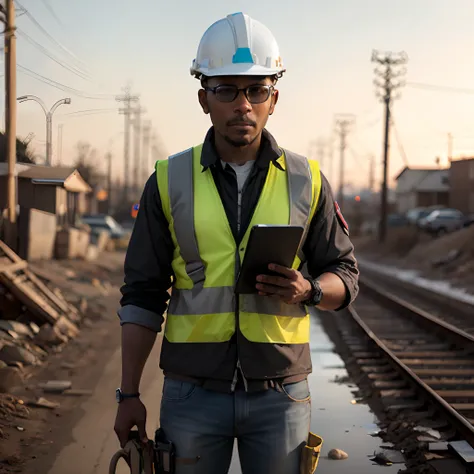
450, 257
31, 437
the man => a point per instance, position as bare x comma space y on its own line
235, 366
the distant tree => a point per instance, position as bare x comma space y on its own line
86, 163
24, 154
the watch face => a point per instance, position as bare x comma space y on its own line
317, 295
118, 395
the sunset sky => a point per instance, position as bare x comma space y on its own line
325, 45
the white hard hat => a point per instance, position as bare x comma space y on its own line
237, 46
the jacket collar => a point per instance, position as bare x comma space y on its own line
269, 151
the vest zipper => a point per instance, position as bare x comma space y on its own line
238, 366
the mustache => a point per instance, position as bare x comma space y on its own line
241, 121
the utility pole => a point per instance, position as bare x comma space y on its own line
126, 111
388, 71
10, 119
450, 147
60, 143
109, 182
320, 152
146, 150
371, 173
331, 161
343, 123
137, 125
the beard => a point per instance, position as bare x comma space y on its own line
239, 142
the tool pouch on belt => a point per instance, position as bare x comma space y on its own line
165, 459
310, 454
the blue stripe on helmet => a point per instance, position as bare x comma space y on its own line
242, 55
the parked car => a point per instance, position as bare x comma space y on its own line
414, 216
396, 220
103, 222
442, 221
469, 220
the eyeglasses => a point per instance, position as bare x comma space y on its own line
255, 94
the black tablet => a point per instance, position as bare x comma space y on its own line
267, 244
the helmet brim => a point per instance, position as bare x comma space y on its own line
238, 69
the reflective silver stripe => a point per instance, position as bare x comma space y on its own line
266, 305
220, 299
300, 186
202, 301
181, 193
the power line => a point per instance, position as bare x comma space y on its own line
87, 111
401, 149
51, 11
420, 85
343, 123
45, 51
63, 87
357, 158
45, 32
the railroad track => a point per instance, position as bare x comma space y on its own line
415, 359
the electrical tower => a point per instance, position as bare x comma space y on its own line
321, 152
343, 124
138, 111
388, 74
146, 150
127, 100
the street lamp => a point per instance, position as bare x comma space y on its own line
49, 120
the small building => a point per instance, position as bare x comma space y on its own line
422, 187
49, 199
461, 177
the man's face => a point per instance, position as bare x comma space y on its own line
239, 121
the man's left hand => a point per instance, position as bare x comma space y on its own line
291, 287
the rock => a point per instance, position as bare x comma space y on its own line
56, 386
12, 353
44, 403
78, 392
49, 336
337, 454
92, 252
10, 377
15, 328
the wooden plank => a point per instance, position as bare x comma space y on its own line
9, 252
12, 267
463, 406
63, 305
31, 299
446, 381
438, 362
455, 393
446, 372
420, 354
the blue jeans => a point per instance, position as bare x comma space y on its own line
271, 427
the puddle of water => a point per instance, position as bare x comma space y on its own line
341, 424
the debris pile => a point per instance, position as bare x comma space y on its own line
35, 319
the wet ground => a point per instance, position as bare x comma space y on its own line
340, 423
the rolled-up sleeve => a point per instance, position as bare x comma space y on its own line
328, 247
148, 271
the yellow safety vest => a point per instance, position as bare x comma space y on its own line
206, 258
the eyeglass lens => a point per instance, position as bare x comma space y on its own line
255, 94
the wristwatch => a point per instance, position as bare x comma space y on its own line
316, 293
120, 396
